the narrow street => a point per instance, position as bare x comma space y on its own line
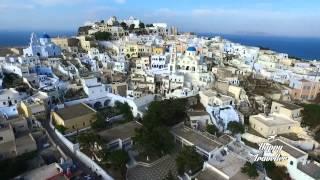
65, 150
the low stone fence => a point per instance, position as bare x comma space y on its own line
253, 138
84, 158
306, 145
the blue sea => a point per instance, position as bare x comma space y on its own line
304, 48
22, 38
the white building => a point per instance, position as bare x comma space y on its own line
42, 47
29, 60
190, 62
12, 68
10, 97
199, 119
172, 82
298, 165
120, 64
132, 20
96, 91
222, 115
159, 62
213, 98
112, 21
204, 144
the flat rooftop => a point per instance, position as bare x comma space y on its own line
311, 169
74, 111
224, 97
25, 141
44, 172
273, 120
123, 131
210, 93
225, 139
196, 138
145, 100
208, 174
242, 176
229, 164
293, 151
289, 105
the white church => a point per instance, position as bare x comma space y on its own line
42, 47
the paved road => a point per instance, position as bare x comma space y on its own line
64, 148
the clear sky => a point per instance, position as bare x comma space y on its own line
269, 17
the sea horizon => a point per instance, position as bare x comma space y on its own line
301, 47
305, 48
22, 38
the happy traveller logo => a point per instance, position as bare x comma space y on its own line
269, 153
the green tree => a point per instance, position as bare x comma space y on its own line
141, 25
12, 80
310, 115
274, 172
168, 112
103, 36
154, 137
131, 27
75, 93
124, 109
156, 140
250, 170
89, 141
124, 25
100, 123
212, 129
235, 127
118, 159
61, 128
188, 160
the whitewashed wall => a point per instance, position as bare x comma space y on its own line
84, 158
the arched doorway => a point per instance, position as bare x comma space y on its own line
97, 105
106, 102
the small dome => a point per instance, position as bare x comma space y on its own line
191, 48
46, 36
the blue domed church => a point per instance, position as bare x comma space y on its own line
42, 47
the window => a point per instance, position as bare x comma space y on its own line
1, 138
84, 124
4, 103
291, 162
